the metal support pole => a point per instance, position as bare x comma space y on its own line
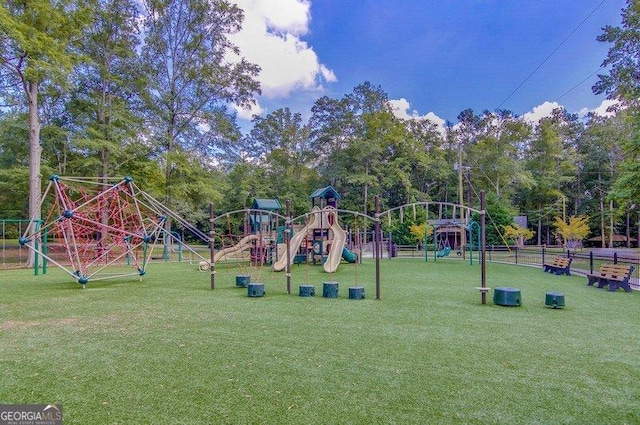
287, 239
212, 233
377, 246
483, 241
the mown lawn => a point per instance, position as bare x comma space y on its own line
167, 349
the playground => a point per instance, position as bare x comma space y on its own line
168, 349
95, 231
163, 329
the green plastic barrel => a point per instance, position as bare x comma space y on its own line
356, 293
242, 280
255, 290
554, 299
307, 290
330, 290
507, 296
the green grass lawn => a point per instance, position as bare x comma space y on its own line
168, 350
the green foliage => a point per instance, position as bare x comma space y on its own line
40, 31
14, 184
626, 188
498, 216
621, 81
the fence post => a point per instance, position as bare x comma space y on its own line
591, 262
544, 250
615, 257
516, 255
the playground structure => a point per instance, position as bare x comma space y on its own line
321, 238
94, 230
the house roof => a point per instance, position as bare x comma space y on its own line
266, 204
326, 193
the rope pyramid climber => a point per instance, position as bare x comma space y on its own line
87, 230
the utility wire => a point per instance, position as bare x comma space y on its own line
550, 54
578, 85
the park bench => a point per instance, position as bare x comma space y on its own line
559, 265
614, 275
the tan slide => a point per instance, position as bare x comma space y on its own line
245, 243
294, 245
337, 244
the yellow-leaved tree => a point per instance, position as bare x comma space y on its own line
420, 231
518, 234
574, 231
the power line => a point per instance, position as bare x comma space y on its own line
578, 85
550, 54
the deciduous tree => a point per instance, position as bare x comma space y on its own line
36, 41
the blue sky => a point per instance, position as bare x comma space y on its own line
433, 57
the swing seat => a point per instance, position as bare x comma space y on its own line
444, 252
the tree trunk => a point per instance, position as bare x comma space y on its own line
603, 242
638, 235
611, 229
366, 191
35, 154
628, 231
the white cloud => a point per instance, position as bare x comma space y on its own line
271, 38
546, 109
247, 114
401, 108
541, 111
602, 109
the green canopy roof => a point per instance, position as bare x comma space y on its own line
266, 204
326, 193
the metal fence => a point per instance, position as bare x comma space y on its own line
582, 261
12, 254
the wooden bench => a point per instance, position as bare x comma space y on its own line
614, 275
559, 265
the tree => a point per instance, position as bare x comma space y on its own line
517, 233
421, 231
14, 166
494, 161
623, 58
36, 49
622, 83
347, 135
552, 162
573, 231
191, 79
103, 102
429, 169
601, 155
279, 143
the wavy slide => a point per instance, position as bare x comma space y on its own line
244, 243
294, 245
337, 244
